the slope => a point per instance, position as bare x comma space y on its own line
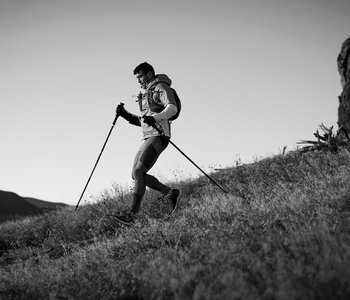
281, 233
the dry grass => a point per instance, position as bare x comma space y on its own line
282, 233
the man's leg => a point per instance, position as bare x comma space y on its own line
144, 161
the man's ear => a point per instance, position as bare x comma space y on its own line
149, 75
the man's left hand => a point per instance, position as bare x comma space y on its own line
149, 120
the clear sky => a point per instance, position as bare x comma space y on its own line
253, 76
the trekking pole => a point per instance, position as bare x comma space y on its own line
211, 179
104, 145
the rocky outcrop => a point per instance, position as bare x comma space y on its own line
343, 62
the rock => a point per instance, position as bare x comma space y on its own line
343, 63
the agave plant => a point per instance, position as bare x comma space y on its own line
327, 140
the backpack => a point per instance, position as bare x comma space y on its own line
177, 100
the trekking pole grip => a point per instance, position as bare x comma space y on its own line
117, 115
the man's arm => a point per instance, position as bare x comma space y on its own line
166, 97
169, 111
131, 118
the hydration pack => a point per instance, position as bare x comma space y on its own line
177, 100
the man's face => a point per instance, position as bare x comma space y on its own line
143, 79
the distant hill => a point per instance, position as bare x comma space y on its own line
13, 206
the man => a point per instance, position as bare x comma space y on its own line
157, 105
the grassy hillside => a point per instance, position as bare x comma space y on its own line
282, 233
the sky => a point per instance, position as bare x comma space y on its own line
253, 76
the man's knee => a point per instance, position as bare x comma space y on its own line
138, 172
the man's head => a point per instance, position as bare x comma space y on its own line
144, 74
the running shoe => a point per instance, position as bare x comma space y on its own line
126, 218
174, 196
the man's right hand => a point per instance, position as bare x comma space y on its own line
120, 109
132, 119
